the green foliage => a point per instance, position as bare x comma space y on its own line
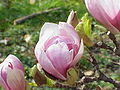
83, 30
87, 24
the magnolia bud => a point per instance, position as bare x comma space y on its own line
72, 19
12, 74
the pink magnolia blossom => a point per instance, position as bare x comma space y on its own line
107, 12
12, 74
58, 49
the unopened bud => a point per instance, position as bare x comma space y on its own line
72, 19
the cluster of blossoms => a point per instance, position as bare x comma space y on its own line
59, 47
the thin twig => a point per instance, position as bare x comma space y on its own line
60, 85
103, 45
85, 80
117, 44
113, 38
23, 19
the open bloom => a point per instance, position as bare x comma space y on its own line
12, 74
106, 12
59, 48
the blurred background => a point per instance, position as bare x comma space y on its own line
20, 38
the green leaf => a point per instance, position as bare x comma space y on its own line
50, 82
82, 34
33, 84
40, 78
72, 76
33, 71
84, 30
86, 24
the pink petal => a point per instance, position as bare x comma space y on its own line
46, 63
60, 57
57, 39
15, 62
2, 82
15, 79
69, 31
79, 54
116, 21
48, 30
111, 7
102, 12
74, 47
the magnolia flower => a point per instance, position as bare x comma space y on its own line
58, 49
106, 12
12, 74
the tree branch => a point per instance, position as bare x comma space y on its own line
113, 38
60, 85
117, 44
23, 19
103, 45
